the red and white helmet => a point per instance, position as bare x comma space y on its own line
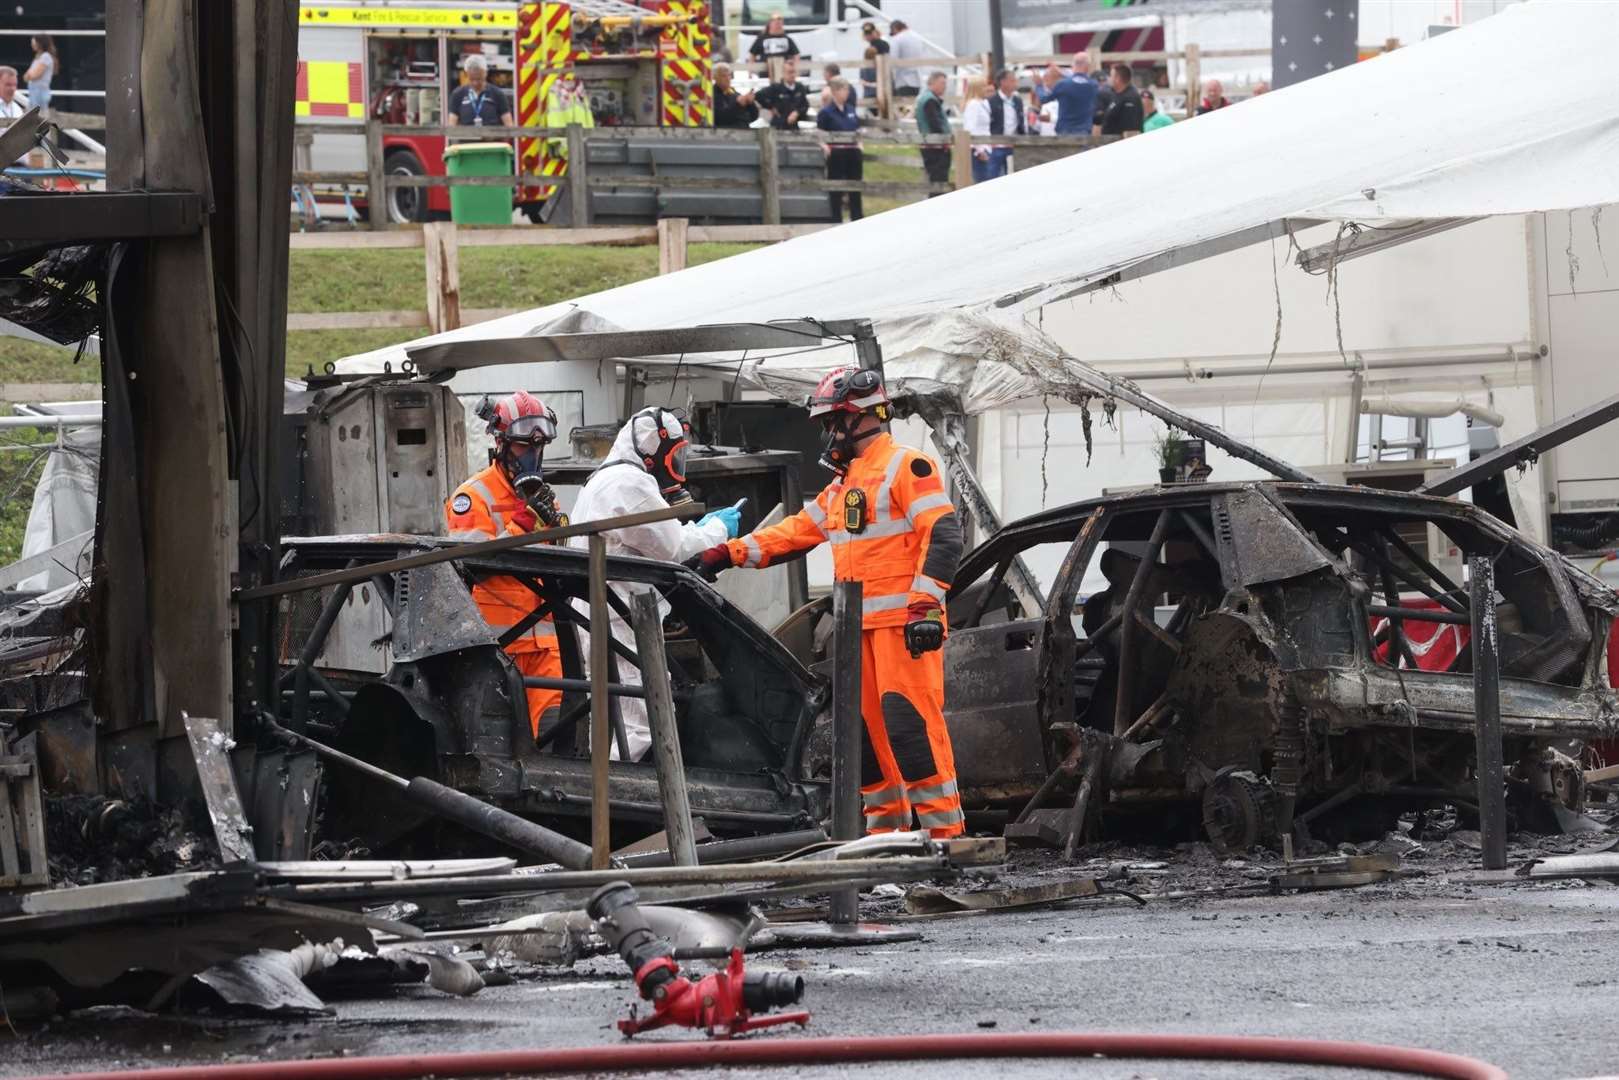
850, 390
520, 417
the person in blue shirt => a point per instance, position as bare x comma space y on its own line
843, 161
1075, 98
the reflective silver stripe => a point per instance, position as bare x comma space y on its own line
881, 506
933, 791
875, 531
884, 603
816, 514
543, 628
881, 796
887, 821
489, 504
925, 584
755, 556
469, 536
924, 504
941, 819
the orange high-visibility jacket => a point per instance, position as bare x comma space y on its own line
482, 508
906, 539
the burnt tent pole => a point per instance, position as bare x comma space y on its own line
1124, 695
1492, 804
660, 710
848, 728
601, 841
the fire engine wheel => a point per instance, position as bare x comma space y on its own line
406, 205
1236, 811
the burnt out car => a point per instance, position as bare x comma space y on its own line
449, 705
1260, 656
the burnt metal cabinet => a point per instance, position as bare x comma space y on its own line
373, 459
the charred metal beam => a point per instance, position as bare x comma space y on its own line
1419, 614
455, 552
1528, 448
1492, 806
1399, 643
87, 217
830, 873
848, 729
950, 438
660, 711
1124, 692
1405, 547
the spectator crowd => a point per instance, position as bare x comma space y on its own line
1071, 101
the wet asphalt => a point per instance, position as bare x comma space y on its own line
1522, 975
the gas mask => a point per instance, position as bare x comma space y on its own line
842, 434
525, 468
663, 438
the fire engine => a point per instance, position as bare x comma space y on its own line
642, 64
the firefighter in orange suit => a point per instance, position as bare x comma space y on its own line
511, 498
893, 529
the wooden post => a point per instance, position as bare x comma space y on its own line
848, 728
672, 244
660, 710
442, 256
769, 178
961, 158
885, 88
578, 178
1194, 79
376, 189
601, 825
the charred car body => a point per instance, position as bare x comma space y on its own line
1282, 687
451, 706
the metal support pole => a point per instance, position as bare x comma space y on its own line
1123, 706
848, 727
1492, 799
601, 842
660, 710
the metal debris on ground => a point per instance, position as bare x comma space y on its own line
927, 900
1336, 872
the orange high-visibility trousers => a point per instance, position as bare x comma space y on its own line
906, 764
547, 664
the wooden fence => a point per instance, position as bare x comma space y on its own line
578, 182
441, 243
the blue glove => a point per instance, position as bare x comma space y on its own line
731, 516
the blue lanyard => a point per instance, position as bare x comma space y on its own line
477, 108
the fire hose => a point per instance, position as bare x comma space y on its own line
661, 1057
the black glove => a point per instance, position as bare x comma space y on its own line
709, 563
925, 630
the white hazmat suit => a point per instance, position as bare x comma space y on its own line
623, 485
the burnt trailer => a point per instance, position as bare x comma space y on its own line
1250, 660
